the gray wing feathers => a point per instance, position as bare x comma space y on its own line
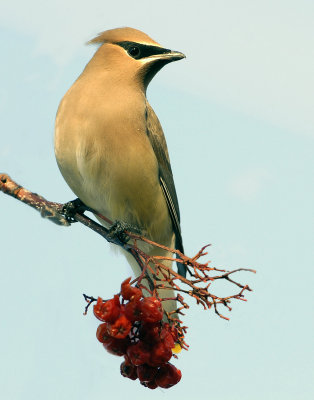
156, 136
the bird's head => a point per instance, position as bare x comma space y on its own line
131, 55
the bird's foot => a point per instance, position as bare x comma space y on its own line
71, 208
118, 230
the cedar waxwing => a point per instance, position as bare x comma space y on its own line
110, 146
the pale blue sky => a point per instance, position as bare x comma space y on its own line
238, 116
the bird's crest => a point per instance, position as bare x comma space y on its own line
122, 35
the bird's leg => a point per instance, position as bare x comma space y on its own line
72, 207
118, 229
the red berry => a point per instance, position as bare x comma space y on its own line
116, 347
129, 292
127, 360
173, 330
146, 373
167, 339
128, 371
151, 309
97, 308
107, 311
133, 310
160, 354
150, 385
174, 333
138, 353
102, 333
168, 375
150, 332
120, 328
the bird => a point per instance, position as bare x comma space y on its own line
110, 146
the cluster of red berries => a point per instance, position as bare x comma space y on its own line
135, 330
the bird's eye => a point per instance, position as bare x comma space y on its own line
134, 51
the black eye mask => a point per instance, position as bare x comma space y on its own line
138, 51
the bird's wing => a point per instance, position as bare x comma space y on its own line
157, 139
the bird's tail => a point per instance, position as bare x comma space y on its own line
167, 292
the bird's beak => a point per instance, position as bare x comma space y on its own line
174, 55
155, 62
168, 56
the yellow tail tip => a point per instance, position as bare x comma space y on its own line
177, 348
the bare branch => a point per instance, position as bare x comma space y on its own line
155, 272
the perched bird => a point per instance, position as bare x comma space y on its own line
110, 146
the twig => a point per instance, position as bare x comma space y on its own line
156, 273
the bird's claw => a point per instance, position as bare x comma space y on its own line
71, 208
118, 230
